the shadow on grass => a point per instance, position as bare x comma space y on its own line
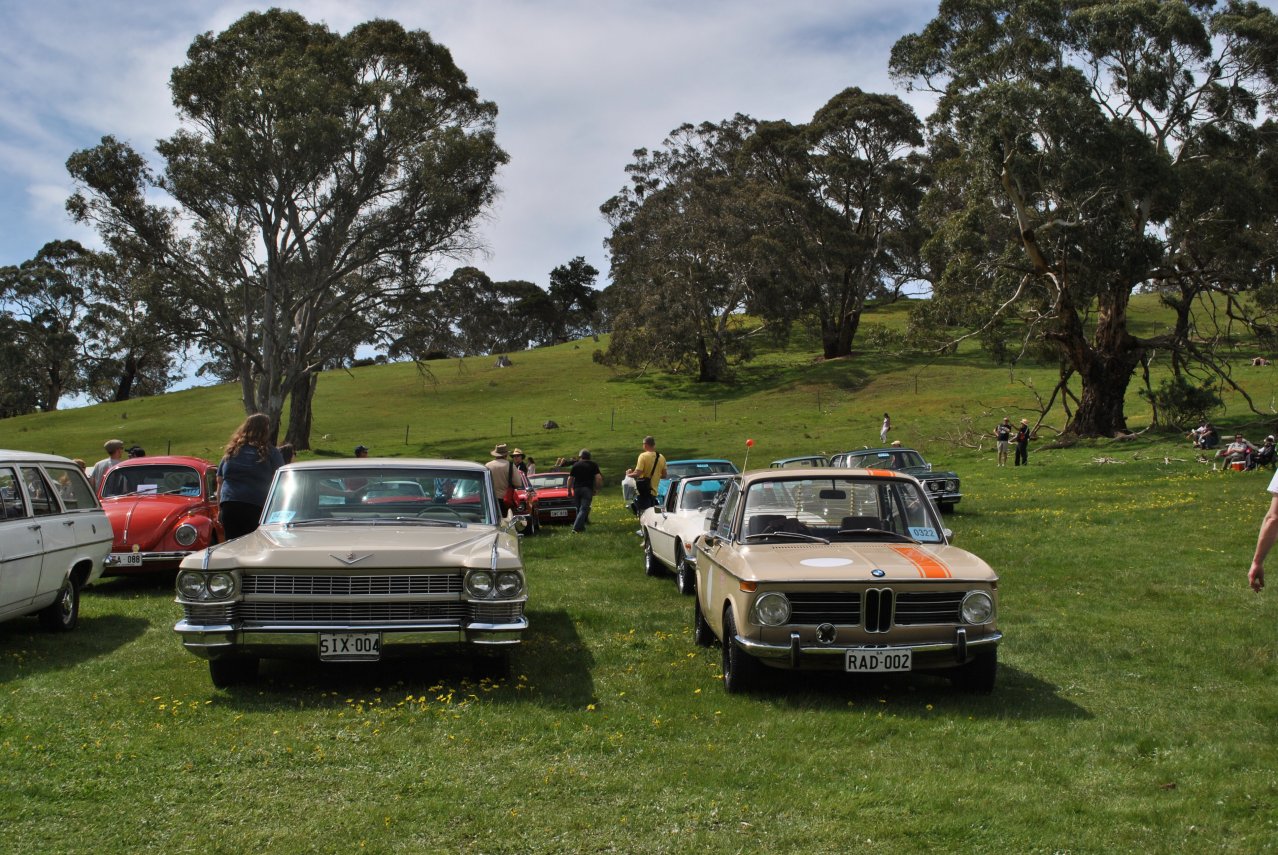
551, 668
1018, 694
132, 586
26, 648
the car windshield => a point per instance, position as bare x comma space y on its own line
800, 463
689, 468
152, 479
886, 460
394, 494
838, 509
549, 481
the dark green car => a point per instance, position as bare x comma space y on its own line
943, 487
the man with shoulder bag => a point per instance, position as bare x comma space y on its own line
649, 468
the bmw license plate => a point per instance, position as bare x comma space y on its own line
126, 559
350, 646
873, 660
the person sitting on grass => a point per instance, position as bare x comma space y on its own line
1238, 451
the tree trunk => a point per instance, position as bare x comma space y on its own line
299, 412
128, 376
1105, 364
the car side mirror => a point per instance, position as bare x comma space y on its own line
709, 538
928, 466
949, 535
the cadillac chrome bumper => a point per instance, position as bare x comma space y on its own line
209, 641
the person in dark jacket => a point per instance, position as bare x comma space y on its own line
583, 480
244, 476
1022, 440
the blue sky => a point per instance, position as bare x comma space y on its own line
579, 85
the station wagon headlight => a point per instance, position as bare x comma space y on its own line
479, 584
772, 609
509, 584
977, 607
185, 534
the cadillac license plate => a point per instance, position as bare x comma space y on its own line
350, 646
874, 660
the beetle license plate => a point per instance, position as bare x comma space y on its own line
127, 559
873, 660
350, 646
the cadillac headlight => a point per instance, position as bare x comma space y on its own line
509, 584
185, 534
977, 608
191, 585
221, 586
479, 584
772, 609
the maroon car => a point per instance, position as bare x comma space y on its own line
161, 509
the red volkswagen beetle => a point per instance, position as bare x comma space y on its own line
161, 509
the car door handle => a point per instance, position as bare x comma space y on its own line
35, 527
69, 522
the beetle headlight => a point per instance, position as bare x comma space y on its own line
221, 586
191, 585
772, 609
479, 584
185, 534
978, 607
509, 584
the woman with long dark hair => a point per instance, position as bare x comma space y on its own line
245, 473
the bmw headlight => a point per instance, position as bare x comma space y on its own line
191, 585
185, 534
977, 607
509, 584
772, 609
479, 584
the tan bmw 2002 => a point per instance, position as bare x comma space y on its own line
842, 570
355, 561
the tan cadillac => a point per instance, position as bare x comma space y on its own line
846, 570
355, 561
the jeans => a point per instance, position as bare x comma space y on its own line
582, 496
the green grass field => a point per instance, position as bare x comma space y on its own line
1136, 708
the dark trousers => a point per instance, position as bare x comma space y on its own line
582, 497
239, 518
1022, 454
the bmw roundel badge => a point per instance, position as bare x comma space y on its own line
877, 573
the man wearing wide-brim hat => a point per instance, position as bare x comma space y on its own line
1022, 443
506, 478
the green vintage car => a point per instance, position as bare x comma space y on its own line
943, 487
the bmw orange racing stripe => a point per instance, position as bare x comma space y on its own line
928, 567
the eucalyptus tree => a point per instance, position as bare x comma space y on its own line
313, 178
686, 253
574, 302
1074, 144
840, 197
46, 298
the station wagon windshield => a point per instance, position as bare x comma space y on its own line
379, 495
838, 509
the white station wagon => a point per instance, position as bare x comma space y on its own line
54, 537
356, 561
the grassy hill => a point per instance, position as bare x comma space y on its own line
1135, 710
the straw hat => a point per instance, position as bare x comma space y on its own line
499, 450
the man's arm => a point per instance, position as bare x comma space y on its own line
1265, 542
570, 482
598, 480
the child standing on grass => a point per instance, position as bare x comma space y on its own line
883, 431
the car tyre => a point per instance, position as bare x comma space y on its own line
63, 613
685, 576
235, 670
741, 671
651, 565
702, 634
977, 676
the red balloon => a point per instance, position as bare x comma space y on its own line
749, 443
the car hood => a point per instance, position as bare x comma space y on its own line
359, 548
144, 520
816, 562
548, 492
924, 474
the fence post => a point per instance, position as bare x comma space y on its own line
406, 434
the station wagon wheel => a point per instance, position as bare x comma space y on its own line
978, 675
63, 613
702, 634
651, 565
227, 671
741, 671
685, 576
